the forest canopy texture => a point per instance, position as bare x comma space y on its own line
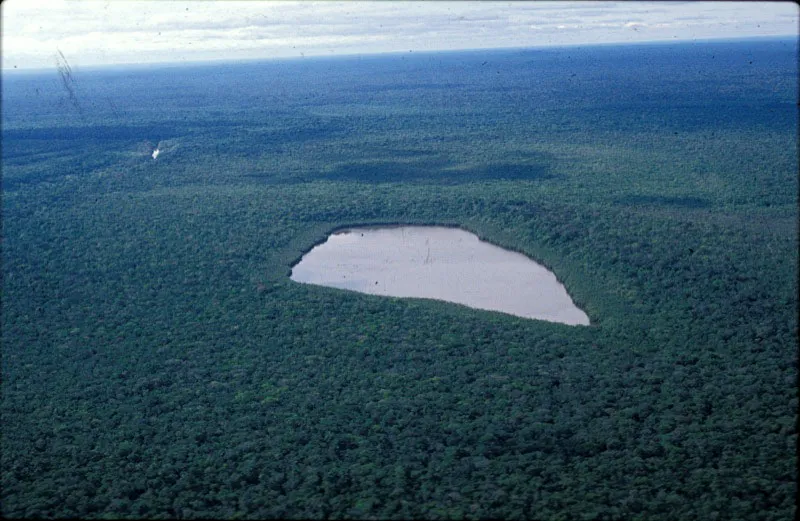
157, 362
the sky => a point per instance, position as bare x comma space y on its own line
112, 32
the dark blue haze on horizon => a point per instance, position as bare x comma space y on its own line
643, 74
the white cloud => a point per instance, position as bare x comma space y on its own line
121, 31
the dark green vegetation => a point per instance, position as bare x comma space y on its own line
157, 361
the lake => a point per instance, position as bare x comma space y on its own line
440, 263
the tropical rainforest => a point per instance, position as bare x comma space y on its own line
158, 362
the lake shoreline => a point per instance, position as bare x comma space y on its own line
465, 269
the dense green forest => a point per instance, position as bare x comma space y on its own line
157, 362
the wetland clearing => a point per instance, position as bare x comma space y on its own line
441, 263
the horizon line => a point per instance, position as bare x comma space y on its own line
229, 61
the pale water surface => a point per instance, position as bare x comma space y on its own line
438, 263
